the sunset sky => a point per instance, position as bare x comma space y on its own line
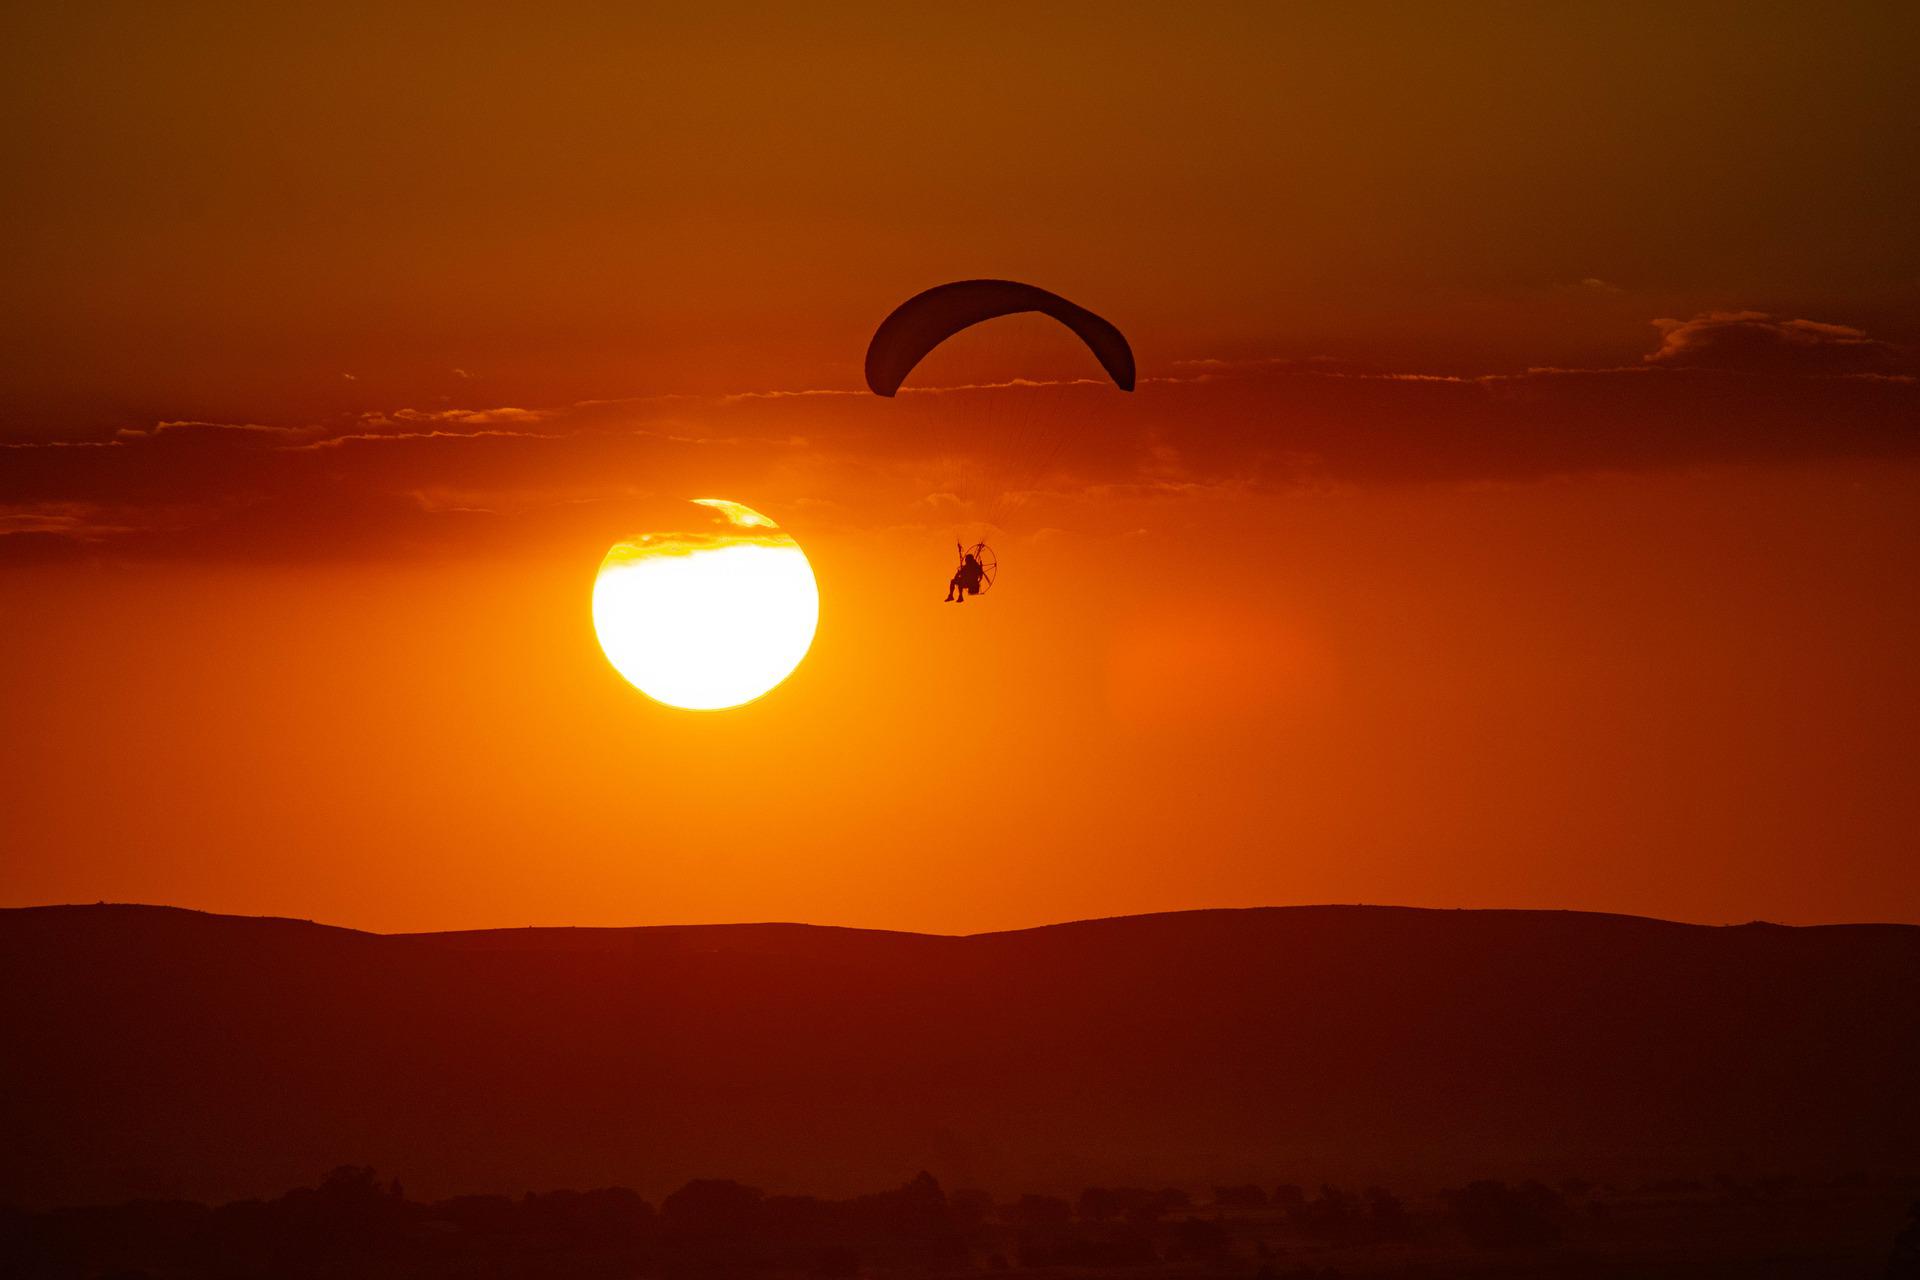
1520, 504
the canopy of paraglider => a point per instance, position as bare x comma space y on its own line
928, 319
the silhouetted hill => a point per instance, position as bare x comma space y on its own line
151, 1051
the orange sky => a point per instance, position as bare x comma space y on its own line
1518, 508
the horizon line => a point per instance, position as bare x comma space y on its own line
1382, 907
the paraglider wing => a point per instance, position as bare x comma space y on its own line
928, 319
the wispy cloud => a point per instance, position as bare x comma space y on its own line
1756, 342
390, 437
1722, 387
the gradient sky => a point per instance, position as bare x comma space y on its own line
1519, 507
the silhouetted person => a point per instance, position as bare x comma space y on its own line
966, 579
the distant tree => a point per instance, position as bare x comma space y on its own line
713, 1207
350, 1198
714, 1227
608, 1217
479, 1215
1201, 1240
1493, 1215
350, 1184
1242, 1197
345, 1222
1101, 1252
970, 1209
907, 1225
1040, 1213
1386, 1215
835, 1262
1333, 1214
1098, 1204
1043, 1226
1137, 1205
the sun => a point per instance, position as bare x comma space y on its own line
710, 618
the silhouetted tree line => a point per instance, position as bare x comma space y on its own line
1496, 1216
354, 1224
1343, 1217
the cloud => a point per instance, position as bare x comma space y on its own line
401, 420
70, 519
399, 483
436, 433
1756, 342
458, 480
265, 436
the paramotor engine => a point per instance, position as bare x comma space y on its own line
989, 565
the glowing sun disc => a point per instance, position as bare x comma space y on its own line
710, 618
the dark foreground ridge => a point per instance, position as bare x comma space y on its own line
170, 1054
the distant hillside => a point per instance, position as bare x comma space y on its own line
151, 1051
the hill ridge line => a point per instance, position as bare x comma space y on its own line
1189, 913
